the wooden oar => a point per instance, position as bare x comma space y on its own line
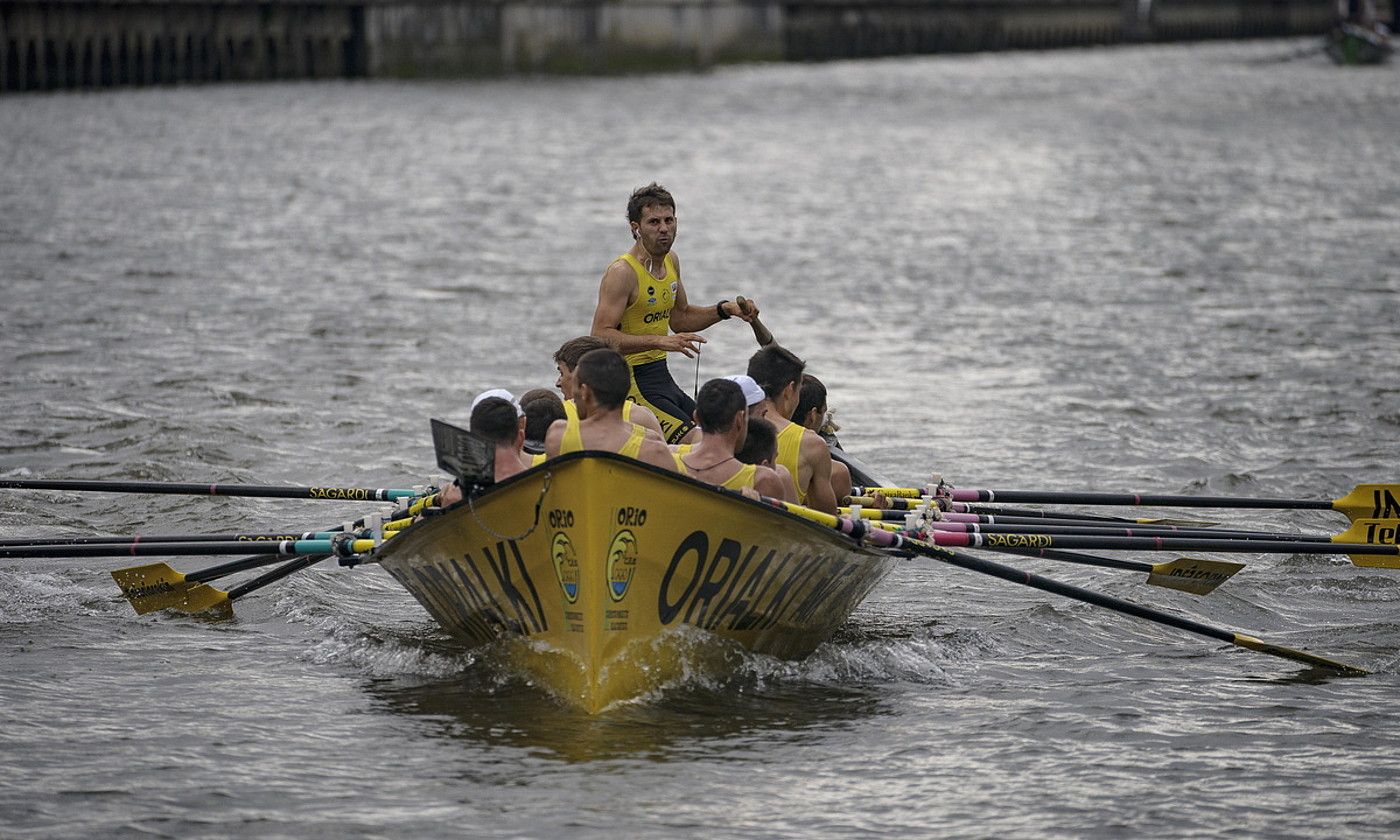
1374, 555
285, 548
1098, 530
1195, 575
167, 538
860, 530
353, 494
1187, 574
911, 503
159, 587
1365, 501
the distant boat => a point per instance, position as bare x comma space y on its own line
1356, 43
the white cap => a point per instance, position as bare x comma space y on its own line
753, 395
499, 393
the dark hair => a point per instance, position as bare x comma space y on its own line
607, 374
717, 403
572, 350
495, 419
813, 395
542, 407
774, 368
644, 197
761, 444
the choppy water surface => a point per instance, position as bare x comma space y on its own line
1168, 269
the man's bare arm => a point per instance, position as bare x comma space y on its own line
654, 452
687, 318
817, 457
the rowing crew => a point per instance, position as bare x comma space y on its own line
619, 395
748, 442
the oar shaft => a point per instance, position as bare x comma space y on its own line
353, 494
1036, 541
274, 575
170, 538
1076, 529
861, 530
1133, 499
283, 547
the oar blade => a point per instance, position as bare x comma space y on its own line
159, 587
1192, 574
1373, 532
1370, 501
1299, 656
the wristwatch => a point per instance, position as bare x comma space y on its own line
719, 310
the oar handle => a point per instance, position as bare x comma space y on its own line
761, 334
351, 494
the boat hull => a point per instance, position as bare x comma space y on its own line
596, 569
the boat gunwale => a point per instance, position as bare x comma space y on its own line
853, 542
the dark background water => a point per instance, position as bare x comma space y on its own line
1165, 269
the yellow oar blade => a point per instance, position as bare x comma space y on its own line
1373, 532
159, 587
1370, 501
1192, 574
1298, 655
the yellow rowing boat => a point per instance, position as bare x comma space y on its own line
596, 569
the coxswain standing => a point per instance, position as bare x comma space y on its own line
641, 300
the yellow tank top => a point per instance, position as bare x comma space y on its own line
741, 479
570, 411
790, 452
573, 439
650, 313
680, 464
536, 460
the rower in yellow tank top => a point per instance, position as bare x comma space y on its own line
573, 440
741, 479
789, 454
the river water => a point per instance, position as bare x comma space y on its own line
1159, 269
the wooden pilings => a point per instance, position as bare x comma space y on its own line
65, 45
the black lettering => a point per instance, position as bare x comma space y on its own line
1384, 504
480, 601
728, 551
722, 604
787, 592
542, 620
1378, 534
821, 593
500, 566
742, 607
698, 544
762, 604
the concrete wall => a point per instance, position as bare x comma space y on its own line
432, 37
48, 44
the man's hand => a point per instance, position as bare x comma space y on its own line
744, 309
686, 343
